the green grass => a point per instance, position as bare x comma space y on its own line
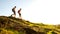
16, 26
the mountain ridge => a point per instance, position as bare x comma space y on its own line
26, 27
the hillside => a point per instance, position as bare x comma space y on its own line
10, 25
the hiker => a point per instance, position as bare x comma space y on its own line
13, 10
19, 12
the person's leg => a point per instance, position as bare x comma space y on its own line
14, 13
19, 14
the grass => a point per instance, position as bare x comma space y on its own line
10, 25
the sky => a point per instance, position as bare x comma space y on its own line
37, 11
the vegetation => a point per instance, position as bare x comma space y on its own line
10, 25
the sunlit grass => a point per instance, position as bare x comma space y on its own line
10, 22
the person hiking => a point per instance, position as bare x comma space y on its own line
19, 12
13, 10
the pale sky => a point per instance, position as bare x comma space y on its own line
38, 11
